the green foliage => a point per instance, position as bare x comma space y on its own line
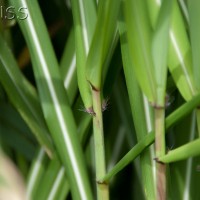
132, 67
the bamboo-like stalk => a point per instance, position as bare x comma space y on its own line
160, 151
170, 121
102, 188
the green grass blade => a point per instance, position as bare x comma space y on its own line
108, 68
194, 14
129, 157
10, 115
55, 174
84, 23
184, 9
14, 138
160, 50
23, 96
181, 112
180, 64
56, 109
68, 67
60, 186
138, 113
88, 11
149, 139
102, 40
62, 192
188, 150
48, 180
139, 39
179, 61
36, 172
183, 171
153, 9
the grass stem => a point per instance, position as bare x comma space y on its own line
102, 188
160, 151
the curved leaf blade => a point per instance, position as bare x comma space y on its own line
180, 57
188, 150
55, 105
101, 41
23, 96
139, 39
84, 14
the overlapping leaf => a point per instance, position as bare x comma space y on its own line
55, 105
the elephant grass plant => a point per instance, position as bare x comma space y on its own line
129, 66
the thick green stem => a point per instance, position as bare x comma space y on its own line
160, 151
102, 188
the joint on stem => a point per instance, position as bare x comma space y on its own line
93, 87
158, 161
99, 182
158, 107
90, 111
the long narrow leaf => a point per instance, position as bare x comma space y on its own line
180, 58
180, 64
54, 101
138, 113
14, 139
185, 151
84, 14
139, 38
160, 50
181, 172
36, 172
23, 96
194, 15
48, 179
102, 40
68, 67
60, 186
